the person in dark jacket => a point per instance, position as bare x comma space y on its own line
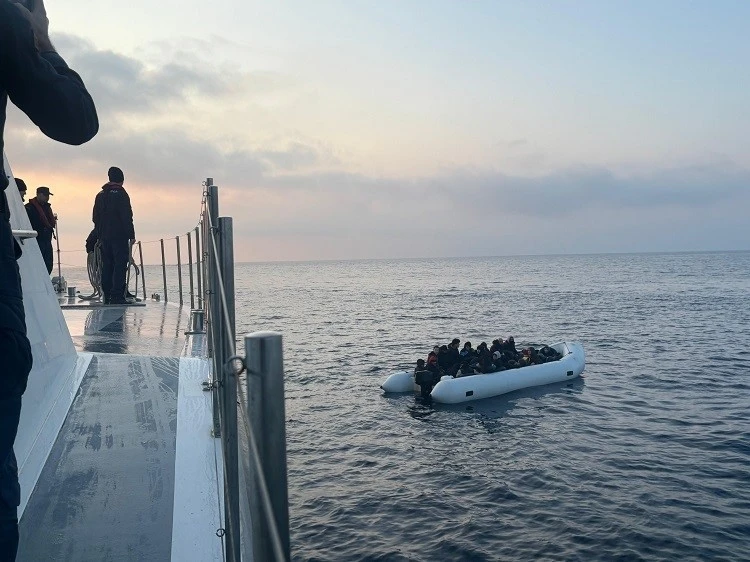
37, 80
43, 220
113, 221
454, 357
21, 185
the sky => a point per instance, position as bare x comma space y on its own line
386, 129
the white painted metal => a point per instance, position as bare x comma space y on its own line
198, 486
54, 379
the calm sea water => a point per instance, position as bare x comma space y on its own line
647, 457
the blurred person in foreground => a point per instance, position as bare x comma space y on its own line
39, 82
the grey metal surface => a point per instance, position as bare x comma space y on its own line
190, 268
212, 306
229, 392
143, 272
199, 266
164, 270
265, 390
106, 491
156, 329
179, 270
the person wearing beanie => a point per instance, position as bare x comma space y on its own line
113, 222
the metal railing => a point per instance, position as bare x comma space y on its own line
247, 391
248, 410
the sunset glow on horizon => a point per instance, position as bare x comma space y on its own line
343, 130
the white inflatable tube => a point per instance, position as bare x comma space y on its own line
475, 387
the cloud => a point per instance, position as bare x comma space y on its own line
293, 197
154, 124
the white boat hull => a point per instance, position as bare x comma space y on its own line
475, 387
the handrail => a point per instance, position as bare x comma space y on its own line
24, 234
228, 395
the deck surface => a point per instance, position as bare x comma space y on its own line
156, 329
107, 490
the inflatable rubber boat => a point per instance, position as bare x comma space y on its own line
450, 390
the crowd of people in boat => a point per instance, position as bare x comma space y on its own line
500, 356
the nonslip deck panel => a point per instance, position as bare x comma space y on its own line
107, 489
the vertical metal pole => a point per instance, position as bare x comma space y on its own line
163, 269
179, 269
190, 267
265, 389
143, 273
59, 264
199, 265
213, 307
229, 391
212, 282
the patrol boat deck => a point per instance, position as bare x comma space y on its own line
121, 477
117, 447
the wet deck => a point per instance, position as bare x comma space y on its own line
153, 328
132, 474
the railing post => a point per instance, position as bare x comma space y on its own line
163, 269
213, 302
229, 391
179, 269
265, 389
198, 266
190, 268
143, 272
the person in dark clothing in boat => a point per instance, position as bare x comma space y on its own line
534, 357
465, 370
443, 358
113, 221
485, 358
496, 345
454, 358
21, 185
467, 352
549, 354
497, 360
43, 220
453, 352
39, 82
425, 378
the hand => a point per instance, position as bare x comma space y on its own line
37, 17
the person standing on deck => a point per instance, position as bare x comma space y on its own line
43, 220
113, 221
40, 83
21, 185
